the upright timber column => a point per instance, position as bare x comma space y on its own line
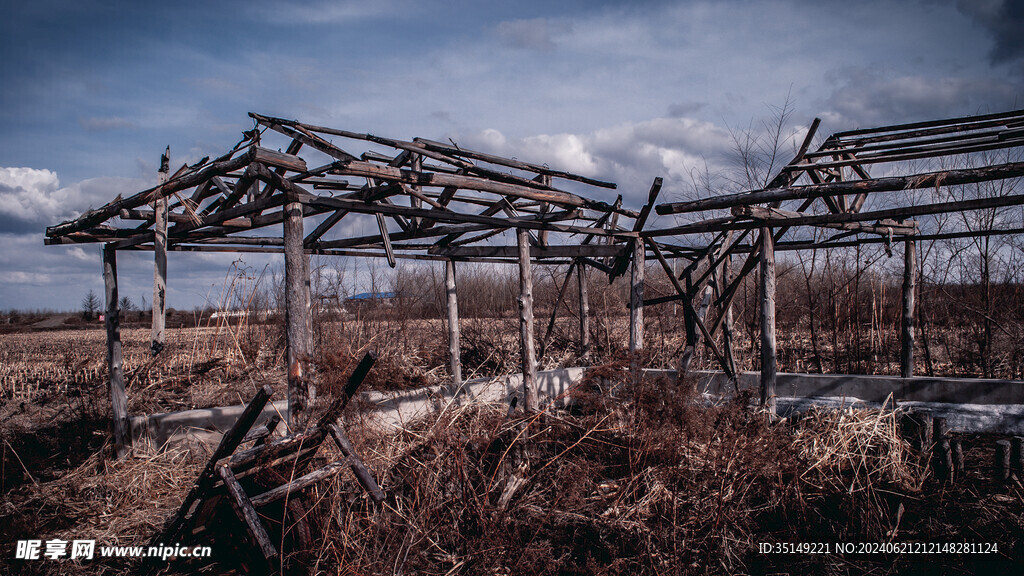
118, 397
581, 277
636, 308
453, 323
298, 323
768, 364
160, 260
526, 322
909, 284
636, 298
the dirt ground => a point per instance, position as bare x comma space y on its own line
653, 482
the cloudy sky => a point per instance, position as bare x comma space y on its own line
94, 91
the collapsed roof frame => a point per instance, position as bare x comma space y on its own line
252, 187
444, 202
835, 180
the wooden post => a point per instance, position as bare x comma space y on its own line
1002, 468
636, 308
690, 325
636, 298
298, 323
112, 320
768, 361
909, 284
160, 260
942, 454
1017, 454
453, 324
581, 277
526, 322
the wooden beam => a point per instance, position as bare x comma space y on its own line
247, 514
452, 300
112, 321
882, 228
909, 285
359, 469
708, 335
581, 277
768, 354
574, 251
636, 298
368, 170
93, 217
298, 322
526, 342
156, 344
890, 184
385, 239
500, 161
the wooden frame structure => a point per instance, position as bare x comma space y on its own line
427, 200
830, 188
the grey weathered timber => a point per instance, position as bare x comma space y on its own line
1002, 465
909, 286
359, 470
243, 507
298, 322
160, 260
768, 359
526, 340
577, 251
636, 298
454, 360
891, 184
581, 277
112, 320
884, 228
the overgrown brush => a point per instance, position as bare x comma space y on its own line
650, 480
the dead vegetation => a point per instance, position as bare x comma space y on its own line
647, 480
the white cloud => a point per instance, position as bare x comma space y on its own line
629, 153
31, 198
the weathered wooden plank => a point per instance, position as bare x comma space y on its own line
299, 484
385, 239
574, 251
367, 170
526, 342
511, 163
767, 296
888, 228
909, 286
298, 321
452, 301
93, 217
889, 184
112, 320
584, 297
359, 470
243, 507
636, 297
159, 313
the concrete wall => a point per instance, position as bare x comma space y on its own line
970, 405
386, 410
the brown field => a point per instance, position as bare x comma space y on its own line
652, 482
